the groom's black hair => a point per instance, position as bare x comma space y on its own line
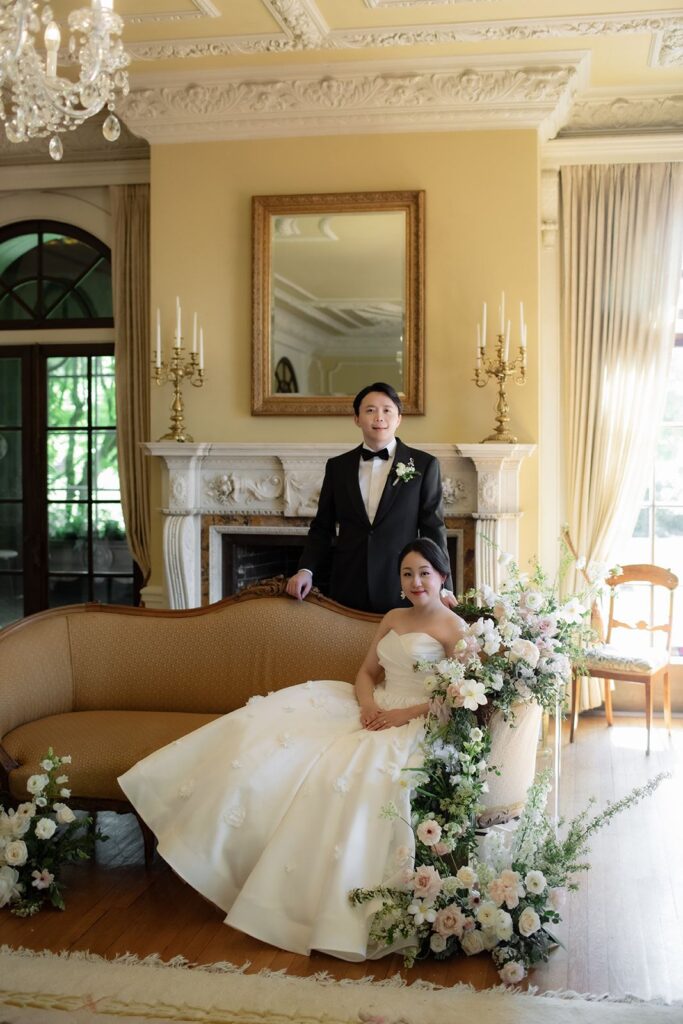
430, 551
379, 385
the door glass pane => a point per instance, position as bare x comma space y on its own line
105, 473
11, 308
110, 548
669, 466
67, 391
674, 391
63, 590
19, 259
10, 536
104, 395
10, 464
10, 392
67, 465
11, 599
113, 589
67, 536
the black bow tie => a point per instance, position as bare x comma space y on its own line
366, 454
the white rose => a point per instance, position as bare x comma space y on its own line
486, 914
21, 823
9, 885
533, 600
472, 942
466, 877
26, 810
535, 882
16, 853
437, 943
529, 922
45, 828
36, 784
524, 650
503, 925
512, 973
64, 814
431, 683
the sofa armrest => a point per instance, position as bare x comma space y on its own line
35, 670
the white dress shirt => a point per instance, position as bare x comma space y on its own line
372, 476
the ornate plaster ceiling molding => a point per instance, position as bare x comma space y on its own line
601, 112
442, 94
304, 28
202, 9
667, 48
301, 20
423, 3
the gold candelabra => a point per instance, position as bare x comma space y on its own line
501, 368
176, 371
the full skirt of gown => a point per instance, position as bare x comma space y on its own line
274, 812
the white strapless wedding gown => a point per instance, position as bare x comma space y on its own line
273, 811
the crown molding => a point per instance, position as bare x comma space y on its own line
613, 149
305, 29
440, 94
599, 111
422, 3
77, 175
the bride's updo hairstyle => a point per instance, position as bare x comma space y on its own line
430, 551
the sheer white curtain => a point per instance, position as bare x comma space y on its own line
622, 245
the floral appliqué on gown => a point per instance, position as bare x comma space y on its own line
273, 812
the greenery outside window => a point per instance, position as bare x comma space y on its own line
658, 533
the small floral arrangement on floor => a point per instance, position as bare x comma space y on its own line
460, 896
38, 837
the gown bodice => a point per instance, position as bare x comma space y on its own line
397, 653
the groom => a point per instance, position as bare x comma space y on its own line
382, 495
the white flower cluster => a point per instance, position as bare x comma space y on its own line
28, 861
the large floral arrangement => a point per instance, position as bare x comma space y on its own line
461, 895
38, 837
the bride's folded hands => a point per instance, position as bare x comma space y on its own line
390, 718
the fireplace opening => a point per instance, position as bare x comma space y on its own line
248, 558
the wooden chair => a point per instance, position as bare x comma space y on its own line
646, 665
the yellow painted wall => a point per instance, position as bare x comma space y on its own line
481, 237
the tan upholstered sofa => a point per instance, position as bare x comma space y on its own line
109, 685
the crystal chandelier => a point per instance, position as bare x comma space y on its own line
34, 99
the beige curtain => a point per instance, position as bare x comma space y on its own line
130, 278
622, 246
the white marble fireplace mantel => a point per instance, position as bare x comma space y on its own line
284, 480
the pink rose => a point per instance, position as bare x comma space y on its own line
449, 921
426, 882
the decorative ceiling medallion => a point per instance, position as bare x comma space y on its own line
599, 113
439, 95
305, 29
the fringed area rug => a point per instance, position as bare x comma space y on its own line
70, 988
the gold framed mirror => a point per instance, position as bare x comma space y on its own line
338, 300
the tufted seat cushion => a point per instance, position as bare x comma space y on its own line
128, 736
618, 659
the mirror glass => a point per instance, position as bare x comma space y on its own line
337, 293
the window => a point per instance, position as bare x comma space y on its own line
62, 536
658, 533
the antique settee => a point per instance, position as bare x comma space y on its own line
109, 685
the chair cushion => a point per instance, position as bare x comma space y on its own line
103, 745
620, 659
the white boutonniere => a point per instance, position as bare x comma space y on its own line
405, 471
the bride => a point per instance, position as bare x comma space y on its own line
273, 812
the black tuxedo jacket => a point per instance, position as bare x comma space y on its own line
364, 571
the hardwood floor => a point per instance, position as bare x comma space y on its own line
623, 930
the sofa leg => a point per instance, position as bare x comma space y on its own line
149, 842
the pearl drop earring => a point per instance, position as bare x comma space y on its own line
403, 596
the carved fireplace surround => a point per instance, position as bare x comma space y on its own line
214, 488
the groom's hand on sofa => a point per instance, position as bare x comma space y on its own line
300, 584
